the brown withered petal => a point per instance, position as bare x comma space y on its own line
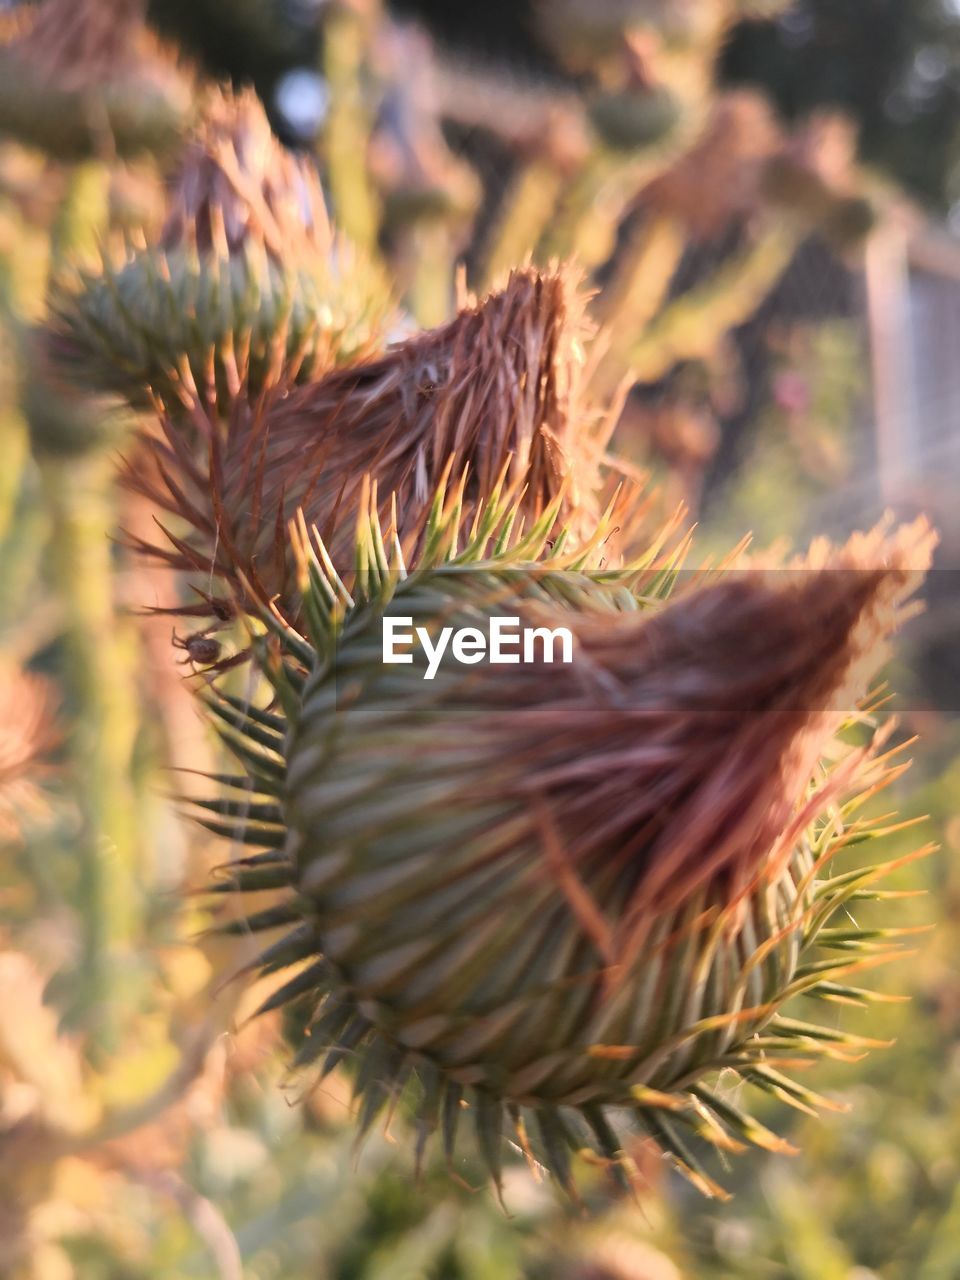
27, 736
497, 391
716, 710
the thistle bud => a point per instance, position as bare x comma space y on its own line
629, 118
493, 398
559, 897
81, 77
247, 288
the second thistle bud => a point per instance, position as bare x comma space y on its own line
247, 288
492, 400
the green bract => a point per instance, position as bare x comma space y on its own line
177, 323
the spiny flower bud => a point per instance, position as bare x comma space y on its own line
628, 118
495, 395
82, 78
27, 736
559, 898
247, 288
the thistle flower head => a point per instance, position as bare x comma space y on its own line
494, 397
555, 900
84, 77
247, 288
27, 736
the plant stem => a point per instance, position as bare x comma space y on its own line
348, 131
100, 661
14, 451
426, 265
529, 207
100, 681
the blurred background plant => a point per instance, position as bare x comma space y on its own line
703, 161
